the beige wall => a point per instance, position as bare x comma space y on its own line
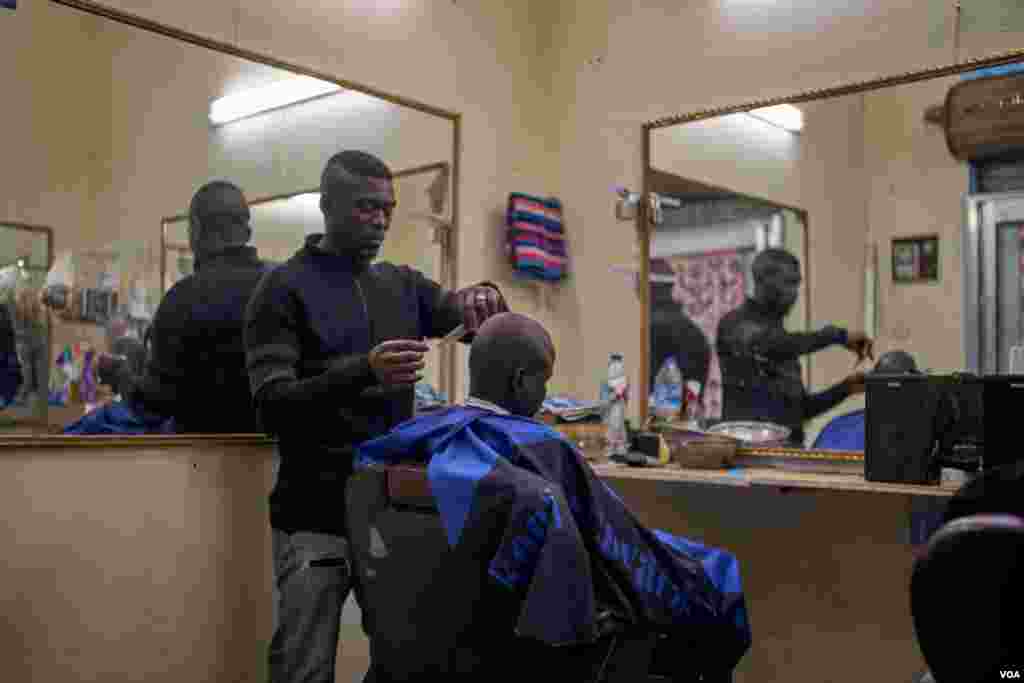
915, 187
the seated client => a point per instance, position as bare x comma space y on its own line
571, 549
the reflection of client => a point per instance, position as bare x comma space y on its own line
195, 371
761, 361
674, 335
846, 432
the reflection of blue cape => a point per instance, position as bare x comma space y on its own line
118, 418
843, 433
10, 377
571, 547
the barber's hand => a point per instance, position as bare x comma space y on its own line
399, 361
855, 383
860, 344
478, 304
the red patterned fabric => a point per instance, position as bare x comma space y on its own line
708, 286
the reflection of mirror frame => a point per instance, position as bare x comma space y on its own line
450, 273
48, 233
643, 234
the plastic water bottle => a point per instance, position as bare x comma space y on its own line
668, 390
615, 417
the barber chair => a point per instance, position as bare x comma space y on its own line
432, 610
967, 599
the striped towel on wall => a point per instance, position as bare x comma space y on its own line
536, 241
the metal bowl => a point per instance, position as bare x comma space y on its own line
753, 433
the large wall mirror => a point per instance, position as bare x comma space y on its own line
119, 138
858, 183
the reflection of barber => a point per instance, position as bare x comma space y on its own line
673, 334
195, 370
760, 359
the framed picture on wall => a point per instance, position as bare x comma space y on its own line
915, 259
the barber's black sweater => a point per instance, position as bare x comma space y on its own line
195, 371
760, 363
309, 330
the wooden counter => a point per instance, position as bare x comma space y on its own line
825, 561
768, 476
148, 558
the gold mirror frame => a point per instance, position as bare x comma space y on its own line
449, 275
642, 225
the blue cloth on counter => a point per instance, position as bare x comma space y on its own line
843, 433
118, 417
570, 547
427, 397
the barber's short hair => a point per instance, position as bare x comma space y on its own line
203, 204
353, 162
770, 261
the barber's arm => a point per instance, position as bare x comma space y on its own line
778, 344
444, 311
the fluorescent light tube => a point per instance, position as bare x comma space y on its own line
784, 116
274, 96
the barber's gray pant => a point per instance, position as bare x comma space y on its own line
312, 579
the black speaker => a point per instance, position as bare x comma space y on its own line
903, 418
1003, 399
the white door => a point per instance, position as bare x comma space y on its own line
993, 269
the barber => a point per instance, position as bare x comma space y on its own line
334, 347
760, 359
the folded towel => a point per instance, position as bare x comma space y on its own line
536, 240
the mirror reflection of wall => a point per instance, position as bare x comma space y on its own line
151, 125
867, 169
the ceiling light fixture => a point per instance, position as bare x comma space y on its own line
274, 96
784, 116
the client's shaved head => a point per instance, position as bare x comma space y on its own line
510, 362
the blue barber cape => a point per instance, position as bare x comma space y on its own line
843, 433
570, 542
118, 417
